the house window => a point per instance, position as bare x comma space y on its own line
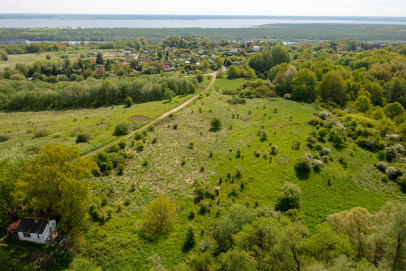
27, 235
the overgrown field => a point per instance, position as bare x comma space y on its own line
236, 162
29, 131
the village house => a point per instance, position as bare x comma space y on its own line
233, 52
255, 48
40, 231
126, 53
201, 51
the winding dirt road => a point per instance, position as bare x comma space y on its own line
155, 120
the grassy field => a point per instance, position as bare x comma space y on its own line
64, 125
158, 170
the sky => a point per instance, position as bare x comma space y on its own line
211, 7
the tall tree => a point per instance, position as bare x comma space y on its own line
279, 55
52, 186
304, 86
333, 88
99, 58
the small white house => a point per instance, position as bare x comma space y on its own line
255, 48
233, 52
201, 51
126, 53
33, 230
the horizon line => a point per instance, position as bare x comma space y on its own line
208, 15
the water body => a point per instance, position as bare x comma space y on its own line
176, 21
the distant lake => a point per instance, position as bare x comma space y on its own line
176, 21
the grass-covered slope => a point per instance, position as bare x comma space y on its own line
173, 165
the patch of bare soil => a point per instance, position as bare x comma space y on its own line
139, 118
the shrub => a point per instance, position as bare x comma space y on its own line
316, 121
230, 224
337, 137
381, 166
41, 133
391, 172
4, 138
288, 198
236, 100
263, 135
139, 136
371, 144
122, 128
175, 126
120, 169
122, 145
215, 124
303, 166
57, 135
191, 145
287, 96
274, 149
139, 146
393, 109
323, 115
83, 138
154, 140
391, 154
160, 217
317, 164
128, 101
189, 242
151, 128
402, 182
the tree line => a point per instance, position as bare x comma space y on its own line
290, 32
35, 95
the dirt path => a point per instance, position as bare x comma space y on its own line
154, 121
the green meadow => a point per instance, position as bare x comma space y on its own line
233, 161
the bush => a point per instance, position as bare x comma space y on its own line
287, 96
323, 115
381, 166
316, 121
391, 154
236, 100
189, 242
391, 172
288, 198
4, 138
128, 101
303, 166
317, 164
83, 138
138, 136
191, 145
41, 133
274, 149
215, 124
402, 182
337, 137
371, 144
122, 128
139, 146
160, 217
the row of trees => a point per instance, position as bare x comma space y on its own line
305, 32
17, 95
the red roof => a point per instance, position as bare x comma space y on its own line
13, 226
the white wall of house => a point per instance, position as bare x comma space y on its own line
38, 238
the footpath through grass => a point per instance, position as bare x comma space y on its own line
187, 151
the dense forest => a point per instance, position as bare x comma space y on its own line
284, 32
